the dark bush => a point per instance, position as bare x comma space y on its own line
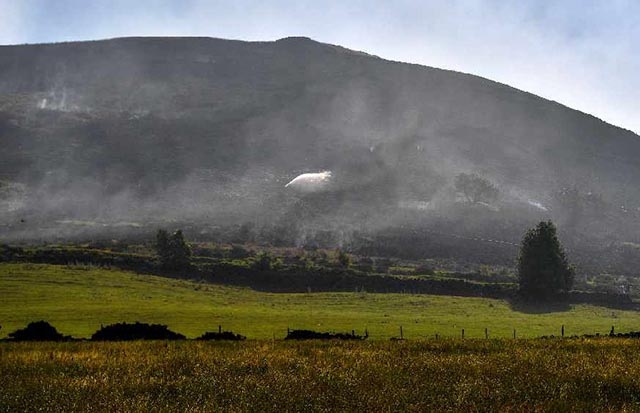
424, 269
209, 252
631, 334
9, 253
222, 335
38, 331
314, 335
266, 262
136, 331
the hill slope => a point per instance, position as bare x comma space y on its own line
210, 130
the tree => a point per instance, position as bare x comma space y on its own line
475, 188
543, 269
173, 250
162, 243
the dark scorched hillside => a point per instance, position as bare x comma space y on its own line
132, 132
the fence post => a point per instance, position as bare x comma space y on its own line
486, 333
514, 333
463, 333
612, 332
401, 335
219, 329
562, 331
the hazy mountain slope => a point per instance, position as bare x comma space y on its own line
198, 128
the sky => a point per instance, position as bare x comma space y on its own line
582, 53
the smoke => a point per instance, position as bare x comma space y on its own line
387, 139
57, 100
537, 205
310, 182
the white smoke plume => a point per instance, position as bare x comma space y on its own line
537, 205
310, 182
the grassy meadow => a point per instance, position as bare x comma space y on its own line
279, 376
78, 299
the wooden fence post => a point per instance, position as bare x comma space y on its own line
486, 333
562, 331
463, 333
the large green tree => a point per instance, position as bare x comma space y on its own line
543, 269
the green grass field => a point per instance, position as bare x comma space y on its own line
76, 300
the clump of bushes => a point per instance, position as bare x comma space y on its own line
43, 331
266, 262
135, 331
221, 335
630, 334
38, 331
365, 264
238, 252
424, 269
343, 258
315, 335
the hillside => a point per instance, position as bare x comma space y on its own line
126, 134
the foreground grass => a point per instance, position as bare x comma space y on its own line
76, 300
433, 375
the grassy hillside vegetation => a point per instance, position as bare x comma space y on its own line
78, 299
436, 375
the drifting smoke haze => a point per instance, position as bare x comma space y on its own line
127, 135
